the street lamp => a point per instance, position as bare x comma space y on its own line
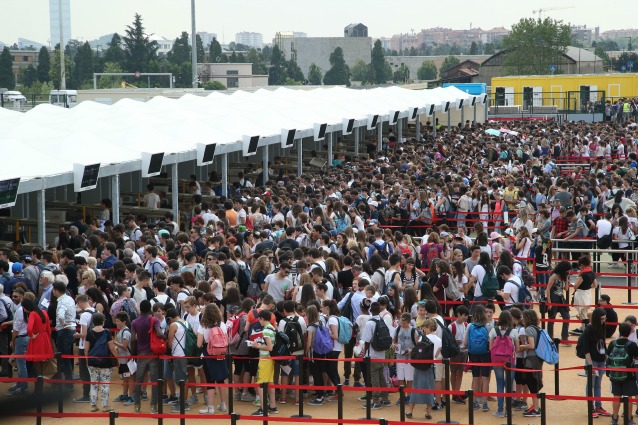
62, 68
194, 46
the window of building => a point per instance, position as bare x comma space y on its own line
25, 59
232, 82
232, 72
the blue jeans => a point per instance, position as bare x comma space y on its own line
499, 373
597, 376
64, 342
21, 348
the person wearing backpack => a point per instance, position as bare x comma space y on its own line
295, 329
216, 370
424, 378
266, 366
85, 315
512, 289
315, 364
622, 384
99, 346
477, 342
594, 349
403, 342
483, 279
502, 349
177, 342
533, 363
557, 288
331, 312
374, 337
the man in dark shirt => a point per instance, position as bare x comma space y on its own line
345, 276
627, 387
141, 340
612, 316
230, 274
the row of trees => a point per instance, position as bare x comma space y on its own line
447, 49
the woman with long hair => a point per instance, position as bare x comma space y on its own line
427, 294
457, 268
620, 233
480, 374
410, 301
557, 288
477, 276
215, 369
307, 294
317, 366
410, 274
39, 333
395, 300
504, 325
443, 271
261, 269
534, 377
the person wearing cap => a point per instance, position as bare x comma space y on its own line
495, 244
30, 272
612, 317
18, 277
374, 210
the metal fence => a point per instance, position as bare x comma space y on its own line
535, 102
30, 101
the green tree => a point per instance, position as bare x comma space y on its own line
387, 72
201, 55
29, 76
474, 48
413, 51
214, 85
115, 52
83, 66
277, 70
623, 59
401, 75
630, 46
266, 54
241, 58
215, 51
233, 57
448, 63
339, 73
359, 71
314, 75
377, 63
427, 71
108, 82
256, 58
488, 49
39, 89
292, 82
54, 72
140, 50
72, 48
44, 65
533, 45
293, 71
181, 51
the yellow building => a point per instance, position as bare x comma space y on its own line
566, 92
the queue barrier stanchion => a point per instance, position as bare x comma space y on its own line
265, 403
339, 402
543, 309
301, 414
368, 381
626, 409
112, 416
182, 402
557, 368
508, 390
160, 371
234, 417
59, 374
383, 421
630, 261
160, 402
402, 403
470, 406
231, 390
39, 387
590, 393
448, 399
543, 404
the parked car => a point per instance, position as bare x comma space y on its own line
14, 96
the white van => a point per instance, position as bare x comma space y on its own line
57, 98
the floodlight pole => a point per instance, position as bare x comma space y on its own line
115, 197
357, 136
417, 127
62, 67
329, 139
42, 232
194, 45
224, 174
379, 135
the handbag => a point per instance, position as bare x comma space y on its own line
49, 367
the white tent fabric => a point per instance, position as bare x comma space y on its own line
47, 140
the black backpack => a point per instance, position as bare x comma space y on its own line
423, 350
281, 347
347, 311
293, 331
382, 250
449, 347
381, 339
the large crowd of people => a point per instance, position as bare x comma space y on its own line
378, 258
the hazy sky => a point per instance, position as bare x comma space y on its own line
92, 18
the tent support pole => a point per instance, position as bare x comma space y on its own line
299, 157
474, 114
399, 130
357, 135
42, 232
115, 197
329, 140
417, 127
380, 136
264, 166
225, 174
463, 117
434, 123
448, 130
175, 191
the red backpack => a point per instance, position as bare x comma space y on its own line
249, 223
158, 344
232, 324
217, 341
432, 254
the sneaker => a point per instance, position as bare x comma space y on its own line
121, 398
486, 408
273, 411
532, 413
192, 400
614, 421
107, 409
602, 412
594, 414
376, 406
210, 410
282, 400
386, 403
358, 384
94, 408
258, 412
458, 400
499, 414
129, 402
247, 397
19, 391
522, 406
144, 395
171, 400
137, 408
363, 397
154, 410
438, 406
83, 399
222, 407
316, 401
237, 397
476, 406
296, 402
257, 402
175, 408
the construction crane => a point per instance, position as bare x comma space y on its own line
544, 9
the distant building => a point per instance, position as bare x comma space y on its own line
54, 21
207, 38
308, 50
165, 45
413, 63
355, 30
22, 59
464, 72
232, 75
614, 34
582, 34
24, 43
252, 39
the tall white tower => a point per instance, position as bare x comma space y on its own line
54, 20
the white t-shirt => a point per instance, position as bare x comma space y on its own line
604, 227
218, 292
151, 200
479, 273
334, 321
460, 333
302, 323
193, 321
513, 290
437, 345
85, 319
161, 298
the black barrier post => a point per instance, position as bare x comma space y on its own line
231, 390
300, 398
383, 421
160, 371
182, 402
112, 417
59, 374
590, 393
160, 404
541, 398
264, 401
508, 390
556, 368
339, 402
448, 401
626, 410
234, 417
39, 384
543, 310
368, 364
402, 403
470, 406
630, 259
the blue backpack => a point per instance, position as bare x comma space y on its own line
477, 339
340, 223
323, 341
545, 347
345, 330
